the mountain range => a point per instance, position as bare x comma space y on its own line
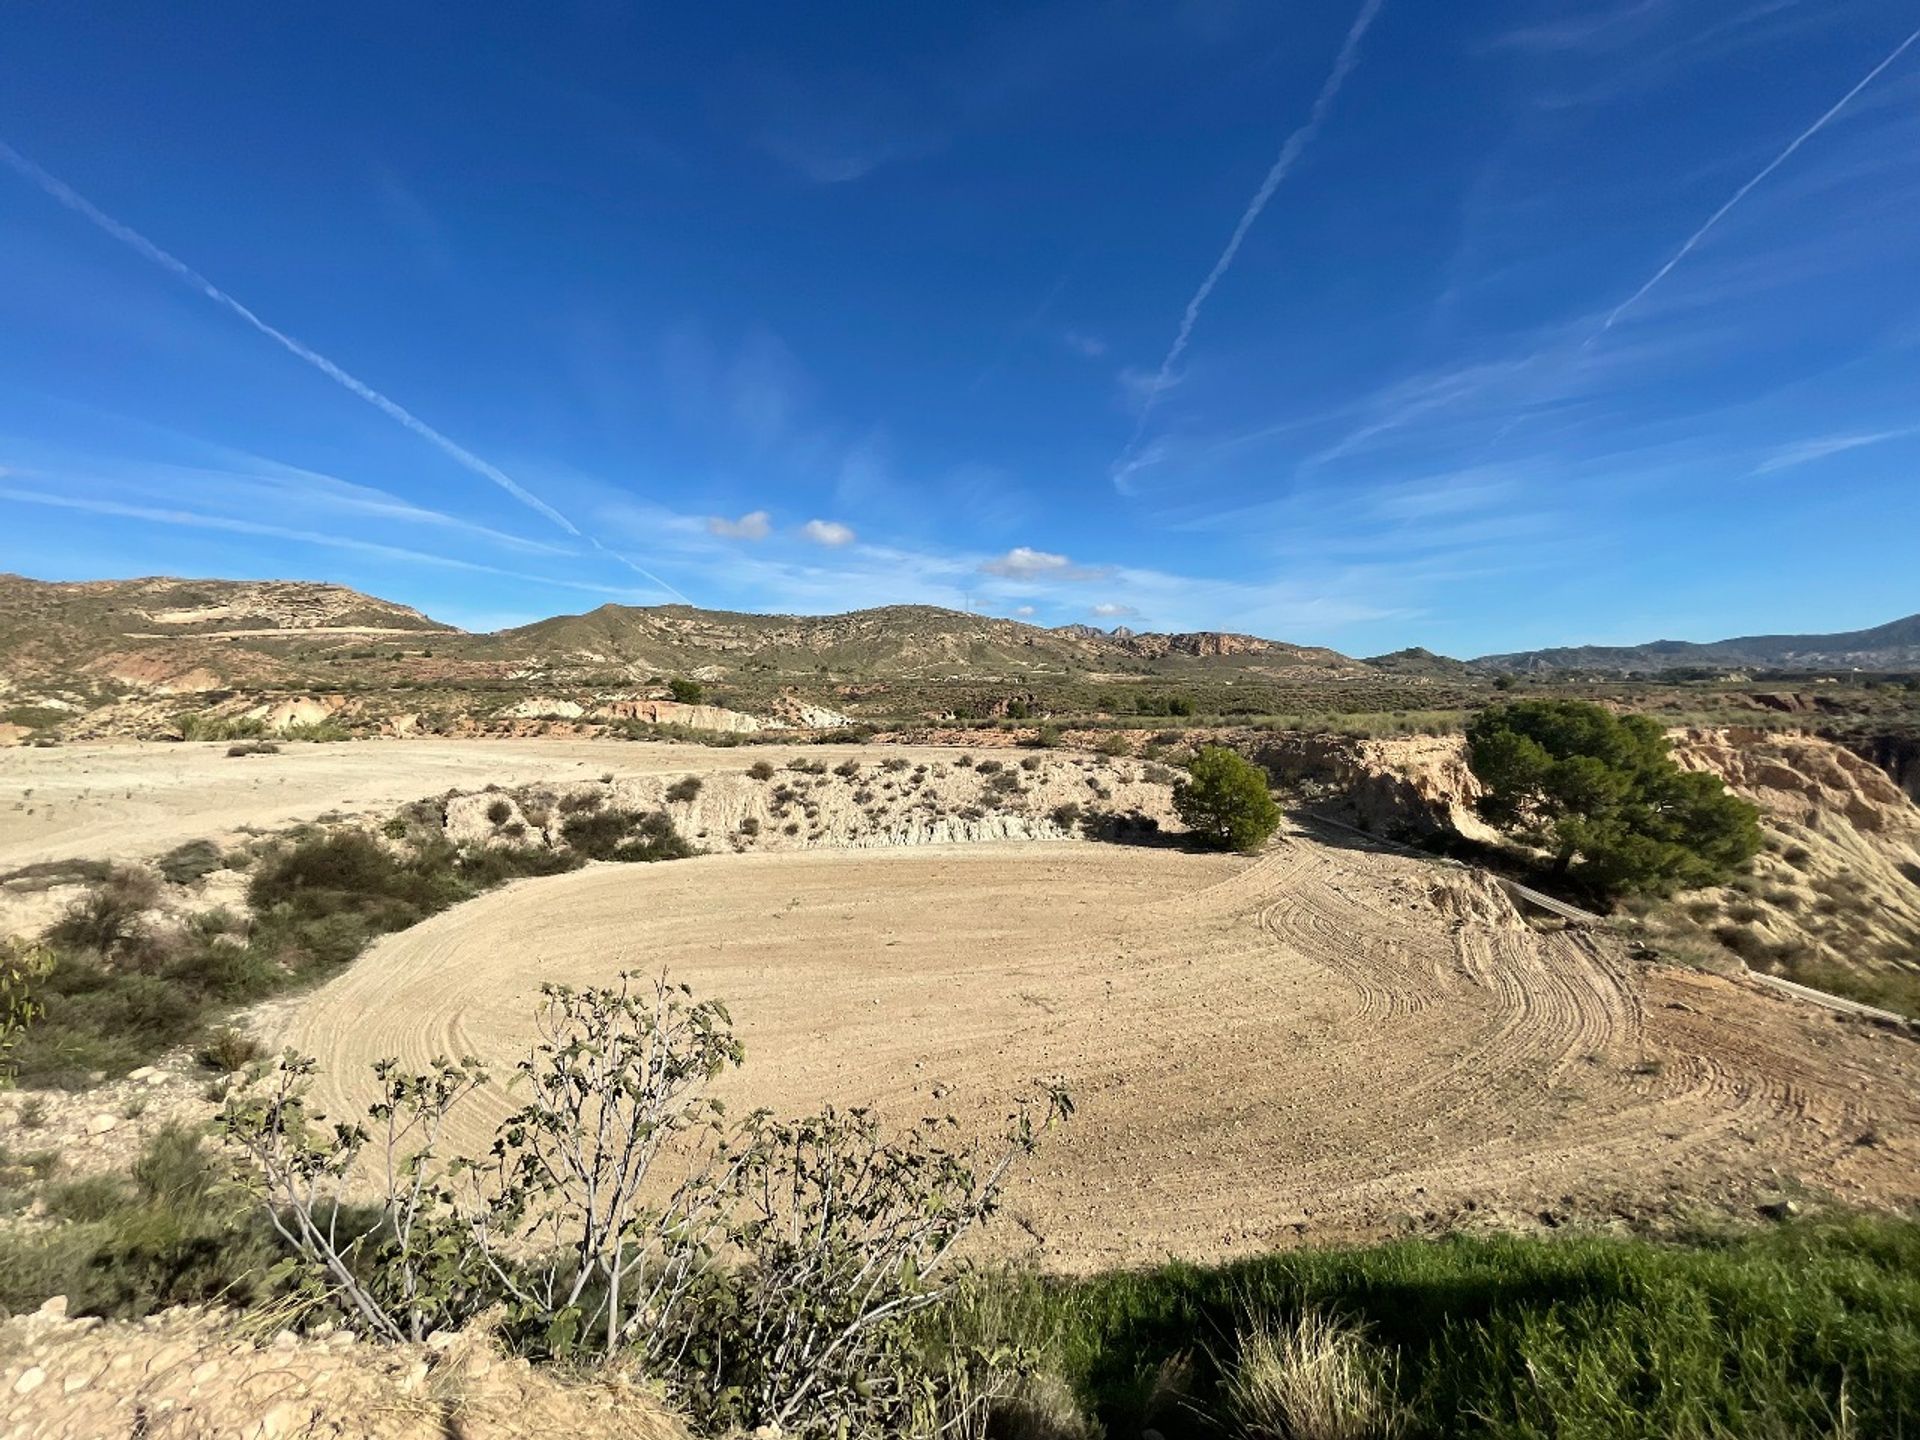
230, 631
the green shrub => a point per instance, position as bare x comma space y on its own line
684, 791
498, 811
760, 770
687, 692
1225, 799
204, 725
317, 904
625, 835
189, 862
227, 1050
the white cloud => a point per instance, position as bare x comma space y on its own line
1023, 611
1807, 451
754, 525
827, 532
1111, 610
1089, 347
1025, 563
1139, 388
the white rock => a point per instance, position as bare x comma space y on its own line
101, 1124
31, 1379
54, 1308
145, 1072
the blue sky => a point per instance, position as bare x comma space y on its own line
1479, 326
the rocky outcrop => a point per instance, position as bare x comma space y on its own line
1406, 787
672, 712
302, 711
189, 1373
1800, 779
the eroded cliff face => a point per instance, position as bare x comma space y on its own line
1898, 755
1837, 886
1839, 881
1408, 787
852, 806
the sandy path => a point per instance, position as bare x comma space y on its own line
131, 801
1327, 1041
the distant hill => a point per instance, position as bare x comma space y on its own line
1893, 646
200, 635
920, 640
60, 629
1419, 661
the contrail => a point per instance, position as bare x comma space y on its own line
139, 243
1693, 240
1290, 153
1772, 165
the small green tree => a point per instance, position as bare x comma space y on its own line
1602, 795
1225, 797
687, 692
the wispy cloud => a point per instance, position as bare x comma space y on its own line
158, 515
1113, 610
1805, 452
1025, 612
1602, 29
59, 190
830, 533
1022, 563
1290, 153
754, 525
1086, 346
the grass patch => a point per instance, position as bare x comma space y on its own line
169, 1234
1810, 1329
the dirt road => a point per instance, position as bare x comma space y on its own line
1328, 1042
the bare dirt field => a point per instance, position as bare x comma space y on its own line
1327, 1042
133, 800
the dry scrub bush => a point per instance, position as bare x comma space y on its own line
773, 1280
1315, 1378
109, 918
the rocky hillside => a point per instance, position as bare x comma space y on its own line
1893, 646
895, 640
182, 635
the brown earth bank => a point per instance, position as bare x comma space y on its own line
1325, 1042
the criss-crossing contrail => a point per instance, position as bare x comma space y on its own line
1772, 165
1289, 156
59, 190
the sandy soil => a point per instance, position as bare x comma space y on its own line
135, 800
1327, 1042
